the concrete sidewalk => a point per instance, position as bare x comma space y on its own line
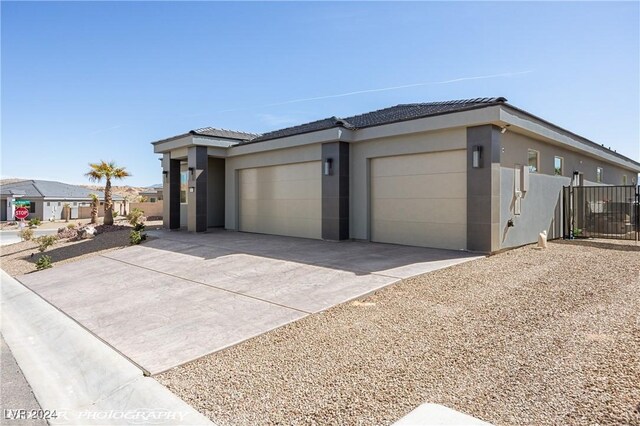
76, 377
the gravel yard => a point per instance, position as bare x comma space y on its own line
523, 337
17, 259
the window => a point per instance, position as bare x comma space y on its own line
558, 166
48, 203
534, 164
599, 174
152, 200
624, 179
184, 179
32, 207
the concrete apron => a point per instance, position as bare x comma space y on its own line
75, 374
438, 415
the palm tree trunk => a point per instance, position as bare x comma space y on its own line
94, 210
108, 204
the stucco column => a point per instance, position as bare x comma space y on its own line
335, 191
198, 163
170, 192
483, 189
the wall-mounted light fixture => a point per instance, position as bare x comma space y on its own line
328, 167
476, 159
166, 174
192, 171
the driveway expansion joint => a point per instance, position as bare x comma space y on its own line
209, 285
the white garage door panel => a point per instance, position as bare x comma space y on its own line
282, 200
420, 199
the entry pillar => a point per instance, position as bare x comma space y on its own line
335, 191
170, 192
198, 163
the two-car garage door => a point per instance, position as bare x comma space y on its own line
282, 200
417, 200
420, 199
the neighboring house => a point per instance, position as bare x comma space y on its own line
444, 174
47, 199
152, 195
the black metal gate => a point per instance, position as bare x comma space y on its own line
601, 212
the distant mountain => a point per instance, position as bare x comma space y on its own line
156, 186
13, 180
129, 192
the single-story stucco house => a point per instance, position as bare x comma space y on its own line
477, 174
47, 198
152, 194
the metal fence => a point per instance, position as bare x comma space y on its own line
601, 212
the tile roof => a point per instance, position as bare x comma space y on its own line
224, 133
50, 189
389, 115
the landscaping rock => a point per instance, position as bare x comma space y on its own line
86, 232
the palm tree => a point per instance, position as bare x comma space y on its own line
94, 208
106, 171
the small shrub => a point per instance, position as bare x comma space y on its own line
139, 227
45, 242
136, 237
71, 225
44, 262
26, 234
35, 222
135, 217
114, 214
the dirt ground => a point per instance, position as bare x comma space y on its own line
17, 259
527, 337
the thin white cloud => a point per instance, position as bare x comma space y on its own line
383, 89
275, 120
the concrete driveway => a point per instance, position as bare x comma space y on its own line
181, 296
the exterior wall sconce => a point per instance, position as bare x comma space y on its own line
476, 159
192, 171
166, 174
328, 167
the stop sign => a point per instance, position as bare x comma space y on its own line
21, 213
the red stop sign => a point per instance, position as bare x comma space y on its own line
21, 213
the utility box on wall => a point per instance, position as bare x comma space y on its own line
524, 184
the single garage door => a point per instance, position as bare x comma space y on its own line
420, 200
282, 200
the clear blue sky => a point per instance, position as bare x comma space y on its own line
100, 80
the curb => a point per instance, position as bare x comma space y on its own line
77, 376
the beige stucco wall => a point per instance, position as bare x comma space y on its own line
361, 154
514, 151
149, 209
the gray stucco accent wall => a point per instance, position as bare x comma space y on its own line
171, 191
335, 192
215, 192
483, 189
197, 193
